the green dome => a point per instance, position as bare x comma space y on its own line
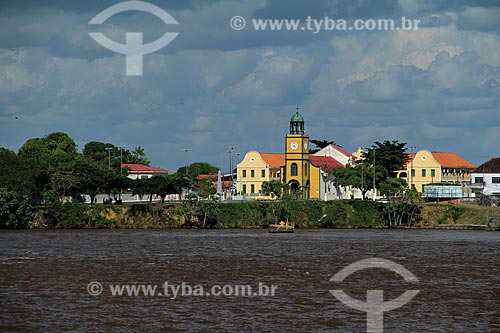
297, 117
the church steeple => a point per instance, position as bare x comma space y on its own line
297, 123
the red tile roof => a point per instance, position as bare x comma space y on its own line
447, 160
492, 166
211, 176
452, 160
411, 156
342, 150
141, 168
274, 160
326, 163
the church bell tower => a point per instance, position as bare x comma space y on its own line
297, 170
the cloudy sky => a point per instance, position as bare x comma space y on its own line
435, 88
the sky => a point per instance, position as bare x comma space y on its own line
214, 87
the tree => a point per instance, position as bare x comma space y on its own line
198, 168
403, 208
359, 176
15, 210
273, 186
141, 187
320, 144
137, 156
391, 155
97, 151
107, 154
53, 150
92, 177
23, 175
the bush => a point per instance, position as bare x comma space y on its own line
336, 214
72, 215
15, 210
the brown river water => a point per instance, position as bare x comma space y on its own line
45, 277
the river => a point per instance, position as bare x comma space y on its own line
46, 276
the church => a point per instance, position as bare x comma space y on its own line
307, 176
301, 176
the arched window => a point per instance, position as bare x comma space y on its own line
293, 170
305, 169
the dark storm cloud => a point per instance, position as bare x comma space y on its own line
214, 87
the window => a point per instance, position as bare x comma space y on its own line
478, 180
244, 190
252, 188
305, 169
144, 177
433, 173
252, 173
495, 180
413, 172
424, 173
294, 171
244, 173
262, 173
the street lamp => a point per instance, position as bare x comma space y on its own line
230, 151
109, 157
121, 171
411, 167
121, 161
187, 167
231, 162
374, 188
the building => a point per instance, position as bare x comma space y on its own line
337, 153
486, 178
302, 177
141, 171
308, 176
256, 168
425, 167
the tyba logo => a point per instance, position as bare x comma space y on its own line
133, 49
374, 305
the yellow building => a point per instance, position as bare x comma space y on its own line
256, 168
298, 173
427, 167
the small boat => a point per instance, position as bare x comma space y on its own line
281, 227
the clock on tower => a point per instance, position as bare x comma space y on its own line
296, 172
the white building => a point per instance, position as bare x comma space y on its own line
338, 154
486, 178
141, 171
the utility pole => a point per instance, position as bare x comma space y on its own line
411, 167
121, 170
374, 188
109, 157
121, 161
231, 149
187, 167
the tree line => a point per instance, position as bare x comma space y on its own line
47, 170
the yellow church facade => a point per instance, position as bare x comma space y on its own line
293, 168
302, 178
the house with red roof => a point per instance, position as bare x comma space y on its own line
485, 179
338, 153
141, 171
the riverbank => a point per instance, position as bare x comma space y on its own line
305, 214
